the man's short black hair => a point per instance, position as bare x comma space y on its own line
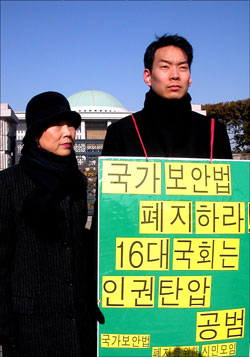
167, 40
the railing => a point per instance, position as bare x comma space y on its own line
84, 149
87, 152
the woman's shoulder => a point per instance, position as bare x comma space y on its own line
12, 170
13, 174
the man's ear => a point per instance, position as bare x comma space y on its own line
190, 82
147, 77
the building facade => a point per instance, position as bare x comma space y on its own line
8, 127
98, 110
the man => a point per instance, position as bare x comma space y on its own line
167, 126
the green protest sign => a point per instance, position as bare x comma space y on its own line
173, 257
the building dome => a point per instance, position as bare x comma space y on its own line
95, 100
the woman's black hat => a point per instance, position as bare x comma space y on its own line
46, 109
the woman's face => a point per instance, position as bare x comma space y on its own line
58, 138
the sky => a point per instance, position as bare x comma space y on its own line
71, 46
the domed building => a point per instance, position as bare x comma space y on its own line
98, 110
95, 100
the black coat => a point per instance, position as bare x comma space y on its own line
47, 303
168, 128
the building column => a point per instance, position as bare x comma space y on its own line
8, 121
83, 133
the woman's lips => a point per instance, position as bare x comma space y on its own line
67, 145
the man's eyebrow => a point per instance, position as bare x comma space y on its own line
170, 62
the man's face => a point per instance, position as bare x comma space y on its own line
170, 74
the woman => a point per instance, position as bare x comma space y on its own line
47, 296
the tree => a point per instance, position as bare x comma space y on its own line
236, 116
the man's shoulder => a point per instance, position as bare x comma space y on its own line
121, 137
126, 121
203, 119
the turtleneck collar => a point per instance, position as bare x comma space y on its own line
55, 178
52, 173
155, 103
